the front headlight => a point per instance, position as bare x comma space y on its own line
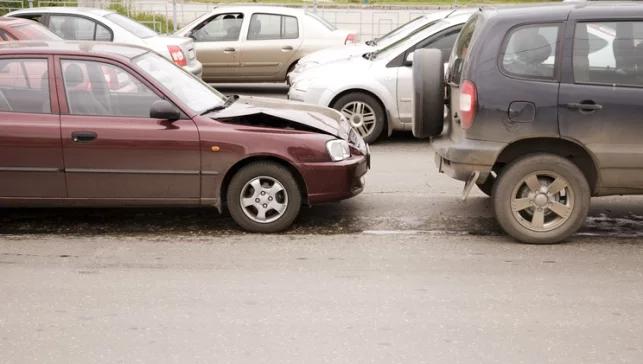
338, 150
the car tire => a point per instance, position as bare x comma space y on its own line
428, 93
365, 114
550, 215
277, 194
487, 186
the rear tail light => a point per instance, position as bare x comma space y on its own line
351, 38
468, 104
177, 55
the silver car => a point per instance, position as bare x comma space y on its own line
108, 26
339, 53
258, 43
374, 90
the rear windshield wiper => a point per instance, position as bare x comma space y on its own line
228, 101
372, 42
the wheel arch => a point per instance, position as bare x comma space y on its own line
225, 182
565, 148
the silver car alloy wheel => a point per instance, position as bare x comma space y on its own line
361, 116
263, 199
542, 201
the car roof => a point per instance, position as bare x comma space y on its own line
259, 9
101, 49
562, 10
65, 10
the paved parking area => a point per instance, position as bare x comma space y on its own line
406, 272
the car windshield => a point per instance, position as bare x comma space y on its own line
131, 26
33, 32
395, 46
402, 29
322, 20
193, 92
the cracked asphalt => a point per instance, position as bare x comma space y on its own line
406, 272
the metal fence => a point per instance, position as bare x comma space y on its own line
367, 21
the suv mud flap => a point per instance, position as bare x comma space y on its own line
469, 184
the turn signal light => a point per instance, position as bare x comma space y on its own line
177, 55
351, 38
468, 103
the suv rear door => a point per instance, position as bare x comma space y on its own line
600, 100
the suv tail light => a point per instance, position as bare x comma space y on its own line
350, 38
177, 55
468, 103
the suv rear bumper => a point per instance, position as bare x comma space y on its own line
461, 159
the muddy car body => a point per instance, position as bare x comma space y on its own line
97, 124
545, 111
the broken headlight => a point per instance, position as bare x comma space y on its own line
338, 150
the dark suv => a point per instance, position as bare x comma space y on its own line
545, 111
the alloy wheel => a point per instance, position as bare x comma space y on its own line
542, 201
361, 117
263, 199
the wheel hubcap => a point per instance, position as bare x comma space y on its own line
542, 201
263, 199
361, 116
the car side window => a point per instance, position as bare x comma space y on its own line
609, 53
272, 26
530, 51
221, 28
71, 27
444, 42
21, 82
3, 35
102, 89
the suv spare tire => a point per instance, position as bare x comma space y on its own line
428, 93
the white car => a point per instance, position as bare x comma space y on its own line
108, 26
338, 53
374, 90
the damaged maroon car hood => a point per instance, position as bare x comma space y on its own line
309, 116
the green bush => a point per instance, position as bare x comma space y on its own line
156, 22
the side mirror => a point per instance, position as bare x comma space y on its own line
164, 110
409, 59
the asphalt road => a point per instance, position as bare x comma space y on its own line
406, 272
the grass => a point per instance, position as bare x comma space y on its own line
159, 23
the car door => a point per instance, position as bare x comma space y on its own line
270, 46
31, 160
112, 148
600, 104
217, 45
443, 41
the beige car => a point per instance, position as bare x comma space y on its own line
258, 43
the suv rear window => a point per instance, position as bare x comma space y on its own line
530, 51
461, 49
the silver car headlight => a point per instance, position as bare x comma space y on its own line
338, 150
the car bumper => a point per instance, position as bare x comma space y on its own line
334, 181
460, 159
195, 68
311, 95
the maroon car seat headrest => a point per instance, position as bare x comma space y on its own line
74, 75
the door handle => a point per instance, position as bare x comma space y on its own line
584, 106
83, 136
287, 48
229, 50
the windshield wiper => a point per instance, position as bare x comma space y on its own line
372, 42
228, 101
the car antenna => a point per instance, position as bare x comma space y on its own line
452, 11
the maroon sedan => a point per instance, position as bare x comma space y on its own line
12, 29
98, 124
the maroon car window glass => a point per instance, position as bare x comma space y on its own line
33, 31
609, 53
3, 35
24, 85
72, 27
101, 89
